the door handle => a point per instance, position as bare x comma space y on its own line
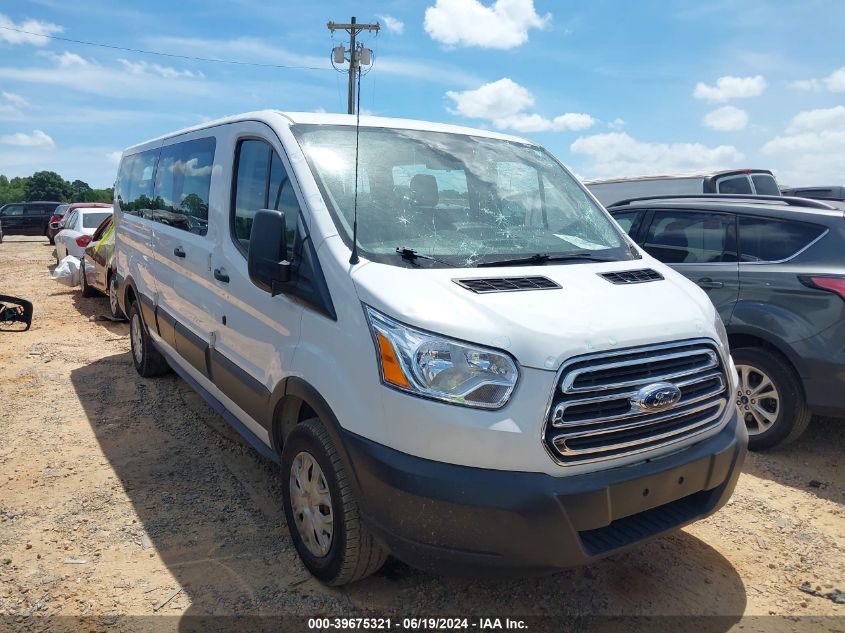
220, 275
706, 282
179, 251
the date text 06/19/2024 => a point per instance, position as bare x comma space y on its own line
417, 624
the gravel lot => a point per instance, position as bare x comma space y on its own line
116, 491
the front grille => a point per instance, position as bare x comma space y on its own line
482, 285
639, 276
593, 416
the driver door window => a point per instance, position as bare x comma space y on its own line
261, 182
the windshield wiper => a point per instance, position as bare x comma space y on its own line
543, 258
410, 255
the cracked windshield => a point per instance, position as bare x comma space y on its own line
463, 200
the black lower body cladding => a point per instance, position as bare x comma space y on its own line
456, 519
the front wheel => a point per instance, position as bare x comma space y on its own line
114, 304
147, 359
770, 398
321, 510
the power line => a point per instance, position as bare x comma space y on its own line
160, 54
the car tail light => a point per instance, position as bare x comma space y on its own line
55, 218
83, 240
829, 283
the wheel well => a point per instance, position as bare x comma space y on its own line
289, 412
130, 297
749, 340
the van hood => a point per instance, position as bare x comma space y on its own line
543, 328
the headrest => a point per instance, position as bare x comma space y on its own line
424, 190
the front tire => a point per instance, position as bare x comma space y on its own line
770, 398
147, 359
321, 510
114, 304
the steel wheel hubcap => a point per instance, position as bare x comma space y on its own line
757, 398
311, 503
137, 343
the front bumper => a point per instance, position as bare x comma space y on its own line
457, 519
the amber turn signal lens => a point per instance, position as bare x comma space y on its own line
390, 367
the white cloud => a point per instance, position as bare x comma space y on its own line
726, 119
728, 88
504, 103
74, 72
617, 154
805, 85
33, 29
11, 106
114, 157
835, 81
36, 139
616, 124
392, 24
139, 68
503, 25
812, 148
818, 120
14, 99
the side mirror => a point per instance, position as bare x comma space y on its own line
267, 261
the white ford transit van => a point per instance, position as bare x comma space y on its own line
492, 376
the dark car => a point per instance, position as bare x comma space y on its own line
828, 192
27, 218
773, 267
760, 182
97, 266
56, 222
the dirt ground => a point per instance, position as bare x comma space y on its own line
116, 491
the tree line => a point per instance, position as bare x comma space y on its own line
48, 185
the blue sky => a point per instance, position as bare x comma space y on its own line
611, 87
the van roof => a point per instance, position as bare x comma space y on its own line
278, 117
700, 174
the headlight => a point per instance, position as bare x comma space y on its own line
442, 368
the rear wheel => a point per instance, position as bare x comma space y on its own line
770, 398
321, 510
147, 359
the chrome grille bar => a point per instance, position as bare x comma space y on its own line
559, 412
593, 415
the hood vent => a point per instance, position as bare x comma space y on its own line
639, 276
484, 285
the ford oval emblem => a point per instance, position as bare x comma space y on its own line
657, 396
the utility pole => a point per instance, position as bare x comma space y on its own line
358, 55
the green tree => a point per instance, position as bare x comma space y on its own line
11, 190
80, 191
46, 185
103, 195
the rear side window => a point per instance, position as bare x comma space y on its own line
626, 220
765, 185
769, 240
93, 219
13, 209
183, 182
136, 185
261, 182
690, 237
736, 184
